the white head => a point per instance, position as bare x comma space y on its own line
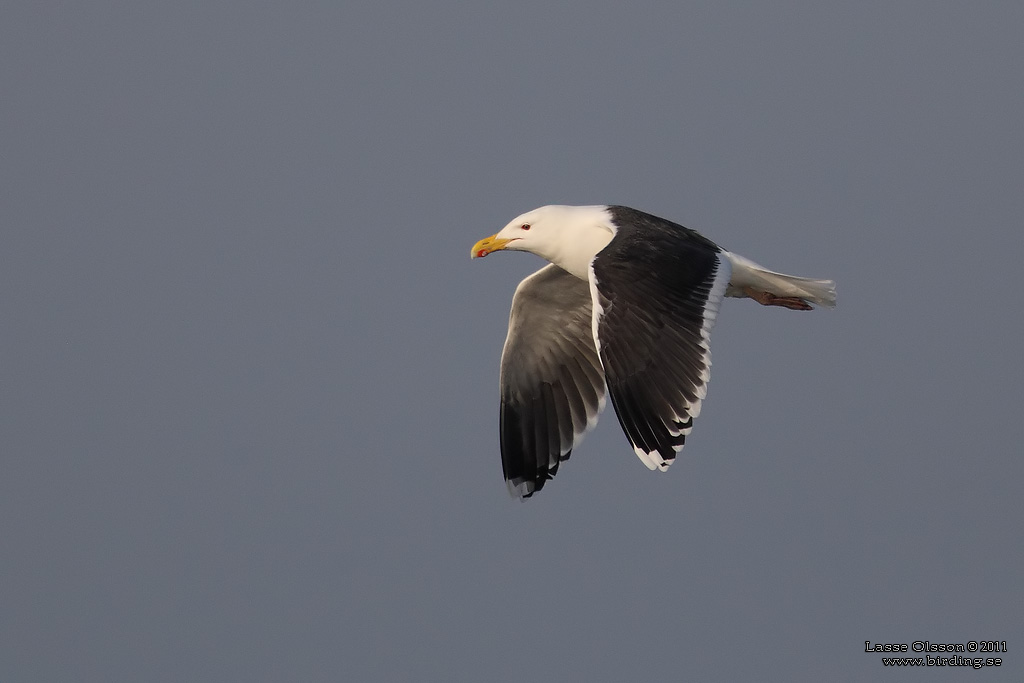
568, 236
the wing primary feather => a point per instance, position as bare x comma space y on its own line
552, 384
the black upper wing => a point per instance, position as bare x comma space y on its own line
658, 288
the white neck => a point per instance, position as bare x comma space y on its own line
576, 256
585, 230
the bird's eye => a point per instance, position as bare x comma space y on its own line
524, 226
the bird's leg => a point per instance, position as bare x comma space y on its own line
768, 299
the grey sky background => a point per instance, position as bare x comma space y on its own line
248, 390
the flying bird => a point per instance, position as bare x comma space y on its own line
625, 308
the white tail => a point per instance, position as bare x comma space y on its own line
746, 273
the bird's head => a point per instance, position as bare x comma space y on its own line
529, 232
560, 234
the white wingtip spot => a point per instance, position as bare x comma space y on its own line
645, 458
653, 461
519, 490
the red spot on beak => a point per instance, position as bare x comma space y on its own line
481, 253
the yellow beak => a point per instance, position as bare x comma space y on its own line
487, 245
